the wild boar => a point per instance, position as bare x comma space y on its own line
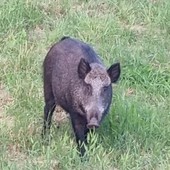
76, 80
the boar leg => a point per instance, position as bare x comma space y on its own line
48, 113
48, 110
79, 126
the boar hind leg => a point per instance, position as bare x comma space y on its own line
48, 111
79, 126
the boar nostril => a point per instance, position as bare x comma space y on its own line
93, 123
89, 126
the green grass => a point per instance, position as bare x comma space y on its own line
136, 133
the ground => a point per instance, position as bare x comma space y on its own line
136, 133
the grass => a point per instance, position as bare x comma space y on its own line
136, 133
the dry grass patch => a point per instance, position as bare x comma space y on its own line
60, 116
5, 100
15, 154
137, 28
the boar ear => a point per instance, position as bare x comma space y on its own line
114, 72
83, 68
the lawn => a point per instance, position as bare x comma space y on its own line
136, 133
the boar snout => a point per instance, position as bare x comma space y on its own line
93, 123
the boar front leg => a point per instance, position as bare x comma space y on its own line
79, 124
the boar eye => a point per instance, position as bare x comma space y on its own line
82, 108
105, 88
88, 89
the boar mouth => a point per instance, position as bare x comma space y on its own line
93, 123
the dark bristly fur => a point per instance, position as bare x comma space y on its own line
76, 80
